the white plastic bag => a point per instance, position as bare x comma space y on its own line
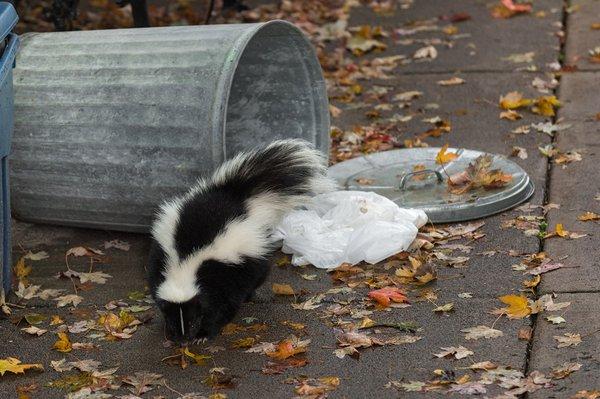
348, 227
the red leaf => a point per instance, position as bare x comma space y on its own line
383, 296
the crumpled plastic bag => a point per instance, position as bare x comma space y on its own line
348, 227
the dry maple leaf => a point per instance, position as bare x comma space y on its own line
14, 365
459, 352
481, 332
518, 306
94, 277
384, 296
288, 348
478, 174
444, 157
143, 381
587, 216
33, 330
68, 299
317, 387
567, 339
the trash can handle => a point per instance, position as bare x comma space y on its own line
406, 177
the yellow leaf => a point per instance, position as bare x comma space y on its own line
366, 323
63, 344
518, 307
14, 366
560, 230
533, 282
442, 157
56, 320
21, 270
545, 105
199, 359
514, 100
587, 216
283, 289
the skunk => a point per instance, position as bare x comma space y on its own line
211, 246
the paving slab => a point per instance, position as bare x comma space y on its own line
579, 96
581, 36
583, 317
481, 43
575, 188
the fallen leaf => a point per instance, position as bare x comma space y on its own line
481, 332
200, 360
445, 308
519, 152
567, 339
459, 352
524, 333
68, 299
33, 330
282, 289
63, 344
289, 347
510, 115
451, 82
407, 95
14, 365
426, 53
94, 277
546, 105
143, 381
514, 100
565, 370
518, 306
443, 157
35, 256
555, 319
587, 216
533, 282
384, 296
22, 271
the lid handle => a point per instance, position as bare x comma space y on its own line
406, 177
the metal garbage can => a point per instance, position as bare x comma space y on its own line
109, 123
9, 42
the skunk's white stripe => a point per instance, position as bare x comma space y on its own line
242, 237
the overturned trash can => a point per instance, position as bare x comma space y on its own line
109, 123
9, 42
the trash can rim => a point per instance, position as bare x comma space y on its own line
225, 83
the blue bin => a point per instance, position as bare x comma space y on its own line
9, 43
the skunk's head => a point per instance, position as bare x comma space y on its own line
191, 311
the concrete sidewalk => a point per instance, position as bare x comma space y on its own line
491, 55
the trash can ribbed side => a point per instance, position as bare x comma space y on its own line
109, 123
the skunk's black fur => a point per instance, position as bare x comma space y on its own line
211, 246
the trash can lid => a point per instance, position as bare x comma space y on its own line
8, 19
481, 184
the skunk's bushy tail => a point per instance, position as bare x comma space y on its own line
290, 170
